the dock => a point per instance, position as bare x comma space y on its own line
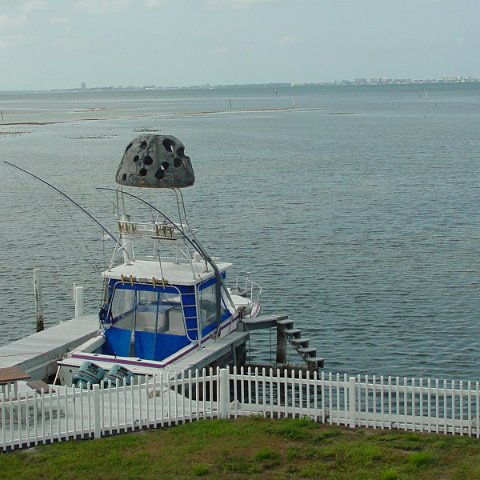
37, 354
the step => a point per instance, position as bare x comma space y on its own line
297, 342
286, 323
292, 332
318, 361
309, 351
260, 322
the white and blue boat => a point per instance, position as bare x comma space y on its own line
166, 302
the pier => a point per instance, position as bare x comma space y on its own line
37, 354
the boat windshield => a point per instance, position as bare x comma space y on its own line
207, 303
145, 309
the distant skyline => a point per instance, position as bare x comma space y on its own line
60, 44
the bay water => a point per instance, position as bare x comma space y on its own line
355, 207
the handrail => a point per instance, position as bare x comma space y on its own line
247, 287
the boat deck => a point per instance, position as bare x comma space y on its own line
212, 353
218, 352
37, 354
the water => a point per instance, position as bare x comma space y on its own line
357, 210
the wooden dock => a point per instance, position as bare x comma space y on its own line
37, 354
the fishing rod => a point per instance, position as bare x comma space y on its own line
71, 200
195, 244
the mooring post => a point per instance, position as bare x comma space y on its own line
78, 298
38, 299
281, 357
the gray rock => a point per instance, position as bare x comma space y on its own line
155, 161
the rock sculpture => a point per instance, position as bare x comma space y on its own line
155, 161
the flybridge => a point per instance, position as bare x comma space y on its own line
174, 254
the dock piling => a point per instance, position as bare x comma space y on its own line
38, 299
78, 298
281, 354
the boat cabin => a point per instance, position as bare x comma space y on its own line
152, 318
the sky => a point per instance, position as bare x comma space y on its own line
58, 44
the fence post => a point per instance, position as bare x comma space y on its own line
352, 401
224, 393
97, 430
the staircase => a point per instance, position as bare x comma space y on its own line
287, 333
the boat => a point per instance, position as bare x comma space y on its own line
166, 304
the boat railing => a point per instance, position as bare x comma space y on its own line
246, 287
165, 258
154, 230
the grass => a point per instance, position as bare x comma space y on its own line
252, 448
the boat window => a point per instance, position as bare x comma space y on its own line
147, 309
123, 306
155, 311
147, 297
207, 302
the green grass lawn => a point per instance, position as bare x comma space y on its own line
252, 448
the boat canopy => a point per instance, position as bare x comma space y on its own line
155, 320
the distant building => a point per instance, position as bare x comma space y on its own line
83, 86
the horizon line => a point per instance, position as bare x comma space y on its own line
355, 82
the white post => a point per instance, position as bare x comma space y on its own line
352, 400
38, 299
97, 430
224, 394
78, 296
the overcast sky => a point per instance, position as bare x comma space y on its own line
49, 44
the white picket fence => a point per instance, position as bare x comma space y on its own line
447, 406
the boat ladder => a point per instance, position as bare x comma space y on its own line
287, 334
